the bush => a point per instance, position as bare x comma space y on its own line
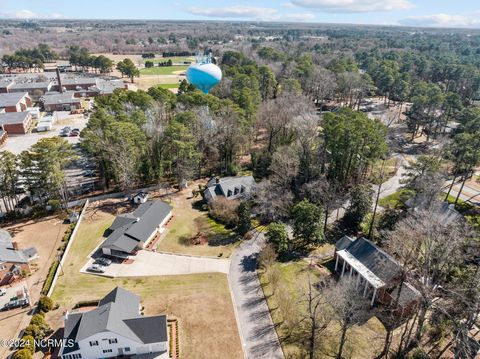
244, 218
224, 211
51, 273
23, 354
28, 343
45, 304
55, 204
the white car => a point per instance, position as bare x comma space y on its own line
96, 268
2, 292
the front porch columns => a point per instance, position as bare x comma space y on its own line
373, 297
343, 269
365, 290
358, 280
351, 271
336, 263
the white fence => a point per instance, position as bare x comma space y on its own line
67, 249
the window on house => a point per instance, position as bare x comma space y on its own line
229, 193
242, 189
237, 190
112, 341
94, 343
127, 349
108, 350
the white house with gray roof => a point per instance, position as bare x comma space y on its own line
115, 328
132, 231
229, 188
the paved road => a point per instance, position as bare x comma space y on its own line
389, 187
147, 263
257, 332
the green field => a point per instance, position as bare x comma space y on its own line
168, 86
162, 70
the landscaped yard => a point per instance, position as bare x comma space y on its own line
201, 302
175, 59
189, 222
362, 341
396, 199
163, 70
389, 169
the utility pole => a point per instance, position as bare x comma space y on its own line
376, 201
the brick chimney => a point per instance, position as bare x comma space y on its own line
59, 80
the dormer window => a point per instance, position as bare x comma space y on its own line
237, 190
229, 193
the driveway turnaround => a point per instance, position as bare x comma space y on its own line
147, 263
257, 332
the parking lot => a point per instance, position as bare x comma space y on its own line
19, 143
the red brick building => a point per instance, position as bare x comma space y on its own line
16, 122
15, 102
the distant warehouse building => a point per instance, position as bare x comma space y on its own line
16, 122
61, 101
34, 89
15, 102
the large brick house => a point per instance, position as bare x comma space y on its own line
377, 275
15, 102
13, 261
66, 101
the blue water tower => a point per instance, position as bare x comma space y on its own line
204, 75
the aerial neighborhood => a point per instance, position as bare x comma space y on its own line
277, 186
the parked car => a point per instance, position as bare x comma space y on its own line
73, 134
97, 268
17, 303
89, 173
64, 133
103, 261
2, 292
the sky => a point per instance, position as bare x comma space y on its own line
430, 13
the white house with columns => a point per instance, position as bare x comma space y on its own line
377, 273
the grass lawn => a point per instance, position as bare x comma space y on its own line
175, 59
362, 341
162, 70
396, 199
461, 206
187, 222
168, 86
201, 302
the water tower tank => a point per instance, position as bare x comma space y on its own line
204, 75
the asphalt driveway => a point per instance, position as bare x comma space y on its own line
148, 263
257, 332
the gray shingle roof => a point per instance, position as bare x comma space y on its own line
130, 229
407, 294
375, 259
118, 312
225, 184
45, 86
343, 243
11, 99
13, 117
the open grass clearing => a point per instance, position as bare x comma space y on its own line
175, 59
188, 222
200, 302
163, 70
362, 341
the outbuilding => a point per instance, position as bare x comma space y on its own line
16, 122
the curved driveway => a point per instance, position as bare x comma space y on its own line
257, 332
